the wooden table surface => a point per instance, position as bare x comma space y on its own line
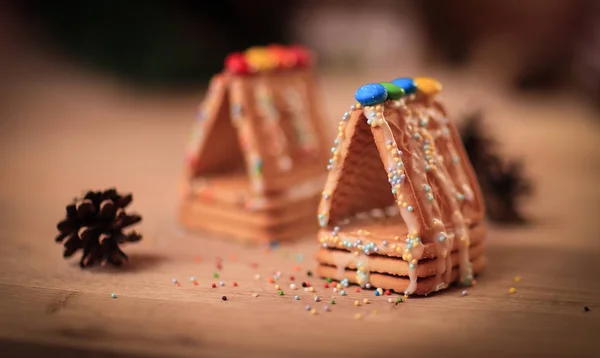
64, 132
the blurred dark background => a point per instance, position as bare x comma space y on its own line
168, 45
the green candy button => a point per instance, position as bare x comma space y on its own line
394, 92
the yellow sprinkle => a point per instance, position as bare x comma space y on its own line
356, 303
338, 286
398, 249
357, 316
311, 289
375, 311
366, 301
313, 311
405, 296
517, 279
512, 290
355, 253
414, 262
276, 287
404, 205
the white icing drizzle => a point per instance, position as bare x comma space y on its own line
305, 132
277, 139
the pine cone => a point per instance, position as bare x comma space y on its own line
502, 182
95, 224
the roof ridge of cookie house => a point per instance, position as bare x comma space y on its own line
440, 189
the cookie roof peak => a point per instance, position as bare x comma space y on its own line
273, 57
375, 93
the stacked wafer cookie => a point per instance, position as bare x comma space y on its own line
254, 168
401, 208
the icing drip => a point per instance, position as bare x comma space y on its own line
305, 133
268, 110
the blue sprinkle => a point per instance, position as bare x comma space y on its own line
407, 84
427, 188
416, 135
394, 191
192, 279
333, 149
460, 197
427, 167
376, 293
371, 94
113, 295
442, 238
346, 115
342, 293
412, 266
429, 197
410, 208
296, 298
299, 257
409, 246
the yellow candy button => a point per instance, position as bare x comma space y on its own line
428, 86
260, 59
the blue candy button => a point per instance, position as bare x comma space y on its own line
407, 84
371, 94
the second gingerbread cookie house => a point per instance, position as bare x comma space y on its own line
254, 165
401, 209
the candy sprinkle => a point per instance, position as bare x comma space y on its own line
214, 285
192, 279
463, 293
257, 277
292, 278
307, 307
316, 299
332, 301
221, 283
357, 303
309, 273
280, 293
512, 290
277, 287
224, 298
304, 284
328, 280
586, 309
174, 281
311, 289
255, 295
326, 309
296, 297
399, 300
325, 285
357, 316
313, 312
390, 300
380, 290
215, 275
517, 279
293, 287
388, 292
376, 293
271, 280
113, 295
342, 293
366, 301
235, 284
356, 289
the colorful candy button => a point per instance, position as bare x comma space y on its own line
371, 94
393, 91
236, 63
301, 55
260, 59
428, 86
407, 84
281, 56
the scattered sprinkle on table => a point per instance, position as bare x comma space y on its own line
296, 297
357, 316
293, 286
380, 290
299, 257
280, 293
235, 284
368, 285
316, 298
342, 293
366, 301
512, 290
271, 280
309, 273
311, 289
297, 268
399, 300
332, 301
221, 283
463, 293
328, 280
390, 300
356, 289
304, 284
586, 309
113, 295
335, 289
292, 278
339, 286
215, 275
375, 312
224, 298
257, 277
325, 285
174, 281
255, 295
388, 292
214, 285
313, 312
326, 309
356, 303
376, 293
517, 279
192, 279
277, 287
307, 307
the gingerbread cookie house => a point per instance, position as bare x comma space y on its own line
401, 208
255, 162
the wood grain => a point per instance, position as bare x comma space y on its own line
66, 131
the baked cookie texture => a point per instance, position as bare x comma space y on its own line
254, 166
401, 208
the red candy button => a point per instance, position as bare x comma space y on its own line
236, 63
